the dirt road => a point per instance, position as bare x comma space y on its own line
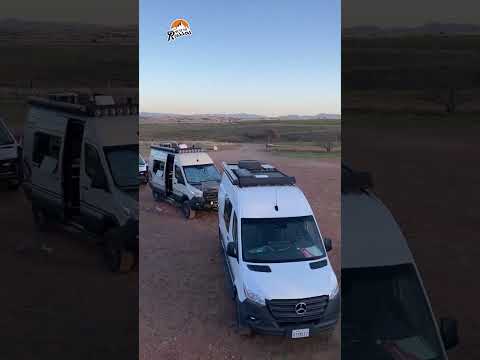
185, 309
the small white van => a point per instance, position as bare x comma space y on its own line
142, 169
276, 257
184, 176
10, 158
80, 165
386, 312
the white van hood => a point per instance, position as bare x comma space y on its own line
294, 280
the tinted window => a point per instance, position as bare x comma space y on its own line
394, 316
92, 162
5, 137
197, 174
179, 175
281, 239
227, 212
123, 163
45, 145
158, 165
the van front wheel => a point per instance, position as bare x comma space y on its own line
118, 259
188, 212
241, 328
156, 195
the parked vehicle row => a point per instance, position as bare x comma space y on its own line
276, 259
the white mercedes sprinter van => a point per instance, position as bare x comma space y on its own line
276, 257
80, 164
185, 176
386, 313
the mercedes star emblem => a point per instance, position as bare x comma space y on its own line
301, 308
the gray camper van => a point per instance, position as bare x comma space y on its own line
81, 159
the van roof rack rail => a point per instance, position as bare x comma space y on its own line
176, 149
249, 173
89, 109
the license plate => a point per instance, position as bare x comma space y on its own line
300, 333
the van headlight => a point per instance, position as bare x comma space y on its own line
253, 296
334, 292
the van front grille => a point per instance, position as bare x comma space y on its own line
310, 310
210, 196
7, 166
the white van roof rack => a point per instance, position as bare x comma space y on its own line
248, 173
68, 102
174, 148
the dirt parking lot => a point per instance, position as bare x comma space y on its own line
185, 309
53, 302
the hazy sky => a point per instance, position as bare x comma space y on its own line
267, 57
391, 13
108, 12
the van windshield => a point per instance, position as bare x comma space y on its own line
123, 163
198, 174
5, 138
393, 319
281, 240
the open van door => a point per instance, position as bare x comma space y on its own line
169, 174
47, 191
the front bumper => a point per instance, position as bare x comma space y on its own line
199, 203
143, 176
260, 319
9, 170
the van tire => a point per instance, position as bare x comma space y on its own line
241, 329
156, 195
188, 212
118, 259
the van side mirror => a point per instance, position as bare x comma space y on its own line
328, 244
231, 250
449, 332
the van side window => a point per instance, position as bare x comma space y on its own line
179, 175
158, 165
45, 145
235, 229
92, 161
227, 212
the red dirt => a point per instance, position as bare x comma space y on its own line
65, 304
185, 309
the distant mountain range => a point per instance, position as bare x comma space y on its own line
427, 29
239, 116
